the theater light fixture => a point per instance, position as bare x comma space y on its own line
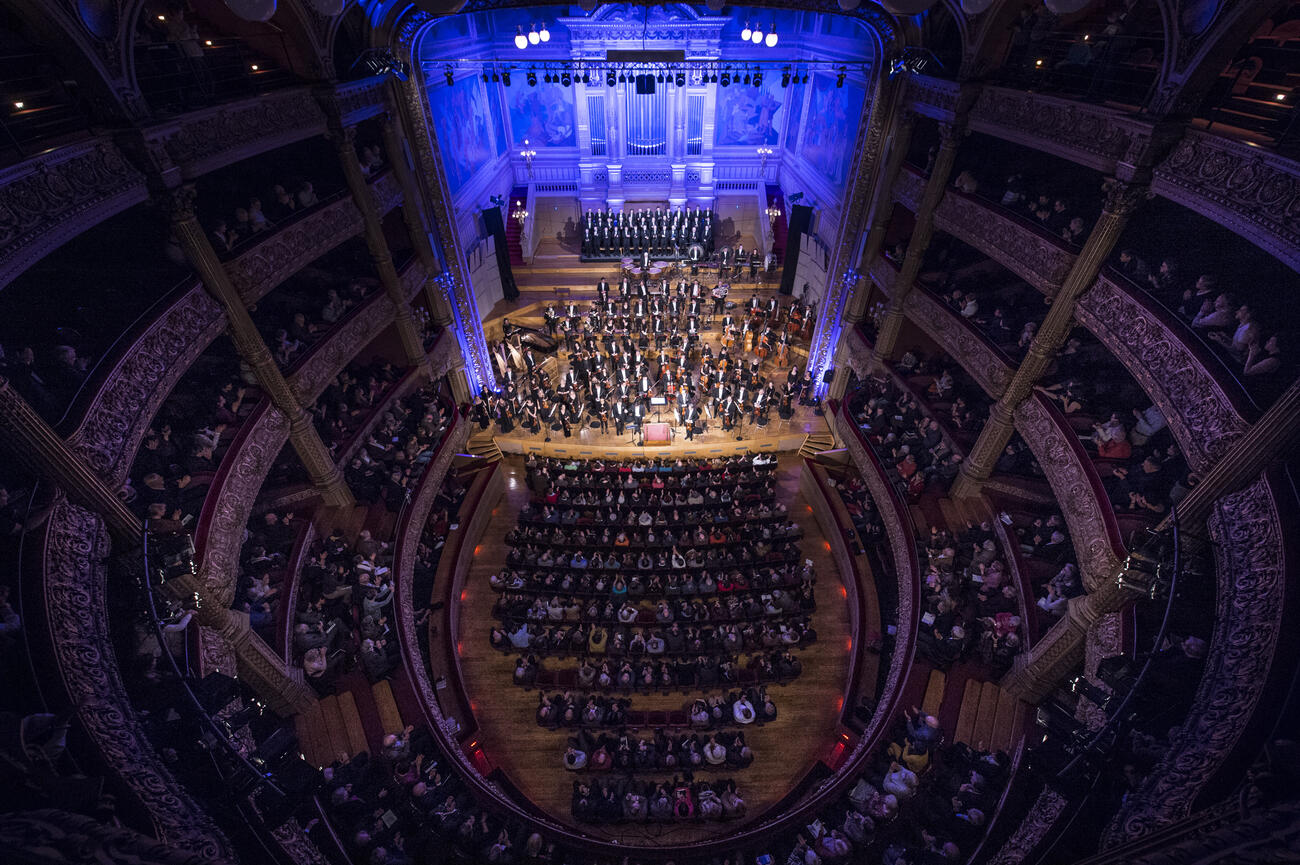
532, 77
446, 73
521, 41
566, 79
505, 77
757, 36
770, 39
533, 36
725, 81
610, 78
681, 79
544, 34
746, 33
758, 78
839, 79
785, 77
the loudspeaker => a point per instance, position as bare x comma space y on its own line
645, 84
828, 376
495, 226
800, 219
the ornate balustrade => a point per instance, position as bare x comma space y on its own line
1098, 546
219, 532
76, 616
1251, 657
386, 190
960, 339
134, 386
289, 249
318, 366
212, 138
884, 273
51, 198
360, 100
908, 187
1025, 249
1251, 191
1205, 405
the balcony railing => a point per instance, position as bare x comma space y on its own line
284, 252
1205, 404
1098, 544
1027, 250
51, 198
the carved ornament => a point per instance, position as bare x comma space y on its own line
1041, 261
966, 345
290, 249
211, 138
1088, 134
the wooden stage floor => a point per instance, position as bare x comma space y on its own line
530, 756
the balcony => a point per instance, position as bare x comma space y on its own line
1206, 406
1242, 187
50, 198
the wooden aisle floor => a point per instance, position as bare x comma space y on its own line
530, 756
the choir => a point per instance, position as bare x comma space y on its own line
684, 234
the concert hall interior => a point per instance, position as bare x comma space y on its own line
463, 431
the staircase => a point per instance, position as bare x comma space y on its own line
349, 722
484, 446
815, 443
780, 226
514, 231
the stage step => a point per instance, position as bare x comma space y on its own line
484, 445
387, 706
815, 443
934, 693
335, 727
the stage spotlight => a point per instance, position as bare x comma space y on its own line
586, 77
446, 73
505, 77
532, 77
610, 78
746, 77
713, 79
681, 79
725, 80
622, 78
485, 77
785, 77
521, 41
495, 75
566, 79
839, 79
758, 78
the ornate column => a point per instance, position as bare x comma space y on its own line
414, 219
1121, 200
1060, 652
325, 476
882, 210
39, 449
344, 139
1266, 440
920, 242
284, 688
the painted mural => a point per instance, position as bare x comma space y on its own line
751, 115
828, 140
796, 94
468, 125
543, 115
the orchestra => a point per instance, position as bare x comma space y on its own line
653, 351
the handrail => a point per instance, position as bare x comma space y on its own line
97, 376
203, 525
1209, 358
1097, 555
992, 377
253, 241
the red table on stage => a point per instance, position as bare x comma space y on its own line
657, 434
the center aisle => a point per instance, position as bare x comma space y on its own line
531, 756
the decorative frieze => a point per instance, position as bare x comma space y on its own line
328, 357
293, 247
1073, 479
1198, 406
387, 192
1039, 260
51, 198
1246, 189
908, 187
133, 390
209, 139
1088, 134
966, 345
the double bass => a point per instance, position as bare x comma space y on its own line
764, 346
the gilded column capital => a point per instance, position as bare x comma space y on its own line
181, 202
1121, 198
